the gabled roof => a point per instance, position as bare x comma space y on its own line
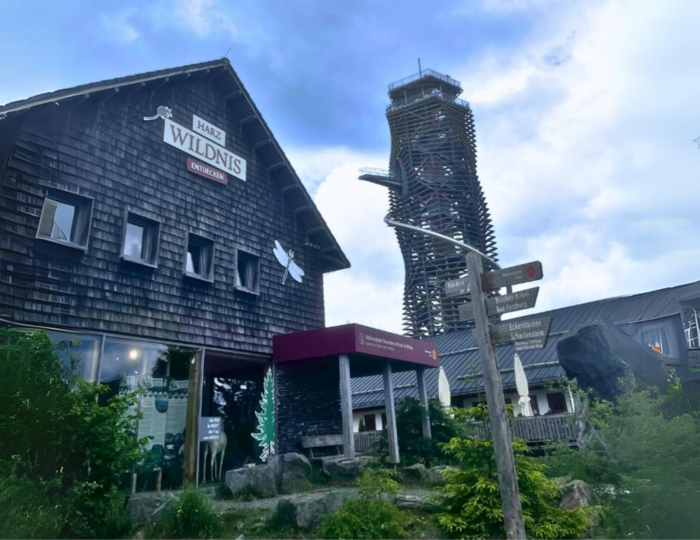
460, 359
256, 128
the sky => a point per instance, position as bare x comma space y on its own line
585, 117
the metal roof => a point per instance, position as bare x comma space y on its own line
334, 258
460, 359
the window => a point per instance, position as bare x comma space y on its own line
384, 421
556, 402
65, 218
199, 259
655, 339
247, 272
370, 422
141, 237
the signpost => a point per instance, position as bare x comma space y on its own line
457, 287
503, 304
523, 273
525, 335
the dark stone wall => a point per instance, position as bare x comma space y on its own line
102, 148
308, 403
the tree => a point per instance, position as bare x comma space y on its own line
266, 418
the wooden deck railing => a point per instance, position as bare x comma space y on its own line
369, 441
536, 429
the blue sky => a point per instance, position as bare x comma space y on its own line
585, 114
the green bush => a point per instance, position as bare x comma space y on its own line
471, 500
28, 508
190, 516
369, 515
413, 447
364, 518
54, 432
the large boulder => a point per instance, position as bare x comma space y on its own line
577, 494
292, 471
415, 473
344, 469
436, 475
305, 509
258, 481
146, 507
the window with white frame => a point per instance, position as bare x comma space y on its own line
65, 219
655, 338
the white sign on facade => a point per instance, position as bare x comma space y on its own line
204, 149
210, 131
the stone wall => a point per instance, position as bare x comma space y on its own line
308, 403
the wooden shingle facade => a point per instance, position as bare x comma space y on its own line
93, 142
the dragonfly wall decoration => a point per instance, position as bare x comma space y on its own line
286, 259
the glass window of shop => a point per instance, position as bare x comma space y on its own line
79, 354
161, 373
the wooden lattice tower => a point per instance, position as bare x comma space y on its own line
433, 185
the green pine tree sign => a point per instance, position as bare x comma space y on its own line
266, 418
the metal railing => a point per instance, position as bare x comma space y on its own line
535, 429
375, 172
399, 103
425, 73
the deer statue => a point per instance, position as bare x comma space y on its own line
215, 448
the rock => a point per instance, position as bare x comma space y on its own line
343, 469
415, 473
259, 481
145, 507
415, 502
562, 481
292, 471
305, 509
577, 494
436, 476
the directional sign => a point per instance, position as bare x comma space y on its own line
502, 304
525, 335
522, 273
210, 428
457, 287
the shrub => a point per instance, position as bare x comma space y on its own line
368, 516
414, 448
190, 516
54, 432
471, 500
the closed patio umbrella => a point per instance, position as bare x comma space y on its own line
521, 385
444, 389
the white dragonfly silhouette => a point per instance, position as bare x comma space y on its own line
286, 259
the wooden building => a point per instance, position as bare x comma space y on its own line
139, 217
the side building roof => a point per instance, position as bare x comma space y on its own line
261, 137
460, 359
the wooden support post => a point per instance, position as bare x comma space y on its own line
189, 467
346, 406
505, 463
423, 396
390, 415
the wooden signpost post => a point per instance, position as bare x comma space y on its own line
532, 333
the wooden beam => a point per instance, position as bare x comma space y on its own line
247, 119
189, 466
262, 143
423, 396
314, 230
302, 209
390, 415
502, 445
290, 187
232, 95
346, 406
275, 166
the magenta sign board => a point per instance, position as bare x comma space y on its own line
353, 339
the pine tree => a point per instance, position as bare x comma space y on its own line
266, 418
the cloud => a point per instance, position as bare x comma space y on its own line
201, 17
371, 291
119, 26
